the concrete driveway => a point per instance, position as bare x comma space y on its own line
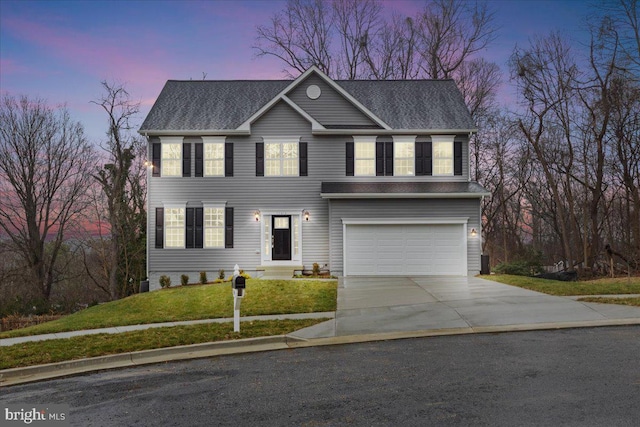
373, 305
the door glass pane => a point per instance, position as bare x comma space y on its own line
281, 222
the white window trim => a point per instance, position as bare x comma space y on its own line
442, 138
404, 139
170, 140
213, 140
265, 218
174, 205
214, 205
281, 140
358, 139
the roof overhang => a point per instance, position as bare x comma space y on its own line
402, 190
199, 132
394, 131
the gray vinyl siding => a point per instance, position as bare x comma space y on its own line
330, 108
403, 209
247, 193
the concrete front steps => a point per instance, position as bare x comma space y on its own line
279, 272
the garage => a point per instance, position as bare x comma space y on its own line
405, 249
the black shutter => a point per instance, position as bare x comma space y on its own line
198, 228
156, 150
379, 158
199, 159
228, 228
303, 158
350, 159
388, 158
457, 158
419, 158
428, 159
189, 229
186, 159
228, 159
259, 158
159, 227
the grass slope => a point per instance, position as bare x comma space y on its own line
616, 286
197, 302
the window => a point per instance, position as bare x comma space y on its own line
442, 157
214, 159
281, 158
214, 227
404, 158
171, 159
365, 158
174, 227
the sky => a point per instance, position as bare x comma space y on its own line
60, 51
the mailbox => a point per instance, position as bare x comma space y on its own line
239, 282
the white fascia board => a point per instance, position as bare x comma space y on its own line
403, 195
183, 132
315, 125
246, 126
403, 221
428, 132
350, 98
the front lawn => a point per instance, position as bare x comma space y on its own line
616, 286
197, 302
59, 350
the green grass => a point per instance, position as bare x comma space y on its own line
197, 302
58, 350
621, 301
617, 286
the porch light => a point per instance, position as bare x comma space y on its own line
306, 215
256, 215
148, 164
474, 233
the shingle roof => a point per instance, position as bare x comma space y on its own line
221, 105
399, 189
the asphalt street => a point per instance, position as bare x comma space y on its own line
573, 377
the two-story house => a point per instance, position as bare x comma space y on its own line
362, 177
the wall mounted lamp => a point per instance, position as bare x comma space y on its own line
256, 215
305, 213
474, 233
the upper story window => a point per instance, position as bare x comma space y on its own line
442, 155
174, 222
281, 158
364, 156
171, 156
404, 155
214, 159
214, 227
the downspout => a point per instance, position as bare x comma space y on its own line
147, 206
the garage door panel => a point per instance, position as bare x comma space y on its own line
409, 249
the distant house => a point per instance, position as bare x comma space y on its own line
362, 177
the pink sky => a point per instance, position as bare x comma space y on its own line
61, 50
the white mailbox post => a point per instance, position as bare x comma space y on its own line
239, 289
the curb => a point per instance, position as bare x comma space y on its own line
17, 376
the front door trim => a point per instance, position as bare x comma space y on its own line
266, 234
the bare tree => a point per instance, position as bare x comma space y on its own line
546, 75
45, 167
451, 32
300, 36
123, 185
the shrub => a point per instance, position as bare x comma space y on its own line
165, 281
221, 274
184, 279
316, 269
203, 277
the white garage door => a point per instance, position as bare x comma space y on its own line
409, 249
